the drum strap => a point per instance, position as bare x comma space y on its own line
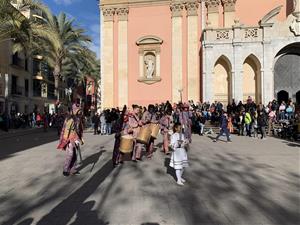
133, 116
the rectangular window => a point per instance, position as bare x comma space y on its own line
37, 90
14, 84
26, 87
26, 64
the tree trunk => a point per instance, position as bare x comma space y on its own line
56, 74
56, 89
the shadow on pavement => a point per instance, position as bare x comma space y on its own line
150, 224
225, 188
91, 160
26, 222
76, 201
15, 144
86, 215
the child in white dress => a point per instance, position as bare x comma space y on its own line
179, 158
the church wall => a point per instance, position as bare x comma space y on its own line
250, 12
143, 21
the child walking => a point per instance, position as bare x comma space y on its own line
179, 158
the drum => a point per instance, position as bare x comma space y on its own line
144, 135
154, 127
126, 144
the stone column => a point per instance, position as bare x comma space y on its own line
193, 51
123, 56
268, 90
229, 12
107, 65
177, 80
208, 94
237, 75
212, 13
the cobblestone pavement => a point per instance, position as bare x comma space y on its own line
247, 182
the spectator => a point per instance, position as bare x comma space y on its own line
248, 121
103, 123
282, 108
262, 123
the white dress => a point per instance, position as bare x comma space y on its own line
179, 158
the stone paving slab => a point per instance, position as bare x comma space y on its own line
247, 182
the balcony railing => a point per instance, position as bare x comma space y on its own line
236, 34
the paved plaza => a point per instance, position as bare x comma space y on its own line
247, 182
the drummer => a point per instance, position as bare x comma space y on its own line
121, 128
149, 116
134, 125
166, 126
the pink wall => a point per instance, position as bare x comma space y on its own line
184, 57
116, 62
149, 21
250, 12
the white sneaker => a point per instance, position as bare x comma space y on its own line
180, 183
183, 180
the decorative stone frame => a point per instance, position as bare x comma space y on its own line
149, 45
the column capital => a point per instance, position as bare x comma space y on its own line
108, 14
176, 8
122, 13
229, 5
192, 7
212, 5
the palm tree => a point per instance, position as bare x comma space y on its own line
62, 39
15, 26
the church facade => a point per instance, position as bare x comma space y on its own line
200, 50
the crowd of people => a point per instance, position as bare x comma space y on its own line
33, 120
243, 119
137, 128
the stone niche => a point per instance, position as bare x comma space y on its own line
149, 59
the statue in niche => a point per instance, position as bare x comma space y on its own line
150, 66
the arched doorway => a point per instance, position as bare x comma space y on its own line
298, 98
222, 81
286, 71
282, 96
252, 79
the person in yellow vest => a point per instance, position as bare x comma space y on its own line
248, 121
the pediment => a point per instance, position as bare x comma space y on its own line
269, 18
148, 40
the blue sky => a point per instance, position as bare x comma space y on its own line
86, 14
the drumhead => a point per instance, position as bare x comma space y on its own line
127, 137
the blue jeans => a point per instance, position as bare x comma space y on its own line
201, 125
108, 128
248, 129
289, 115
282, 115
224, 131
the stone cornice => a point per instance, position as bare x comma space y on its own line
229, 5
108, 14
212, 5
122, 13
192, 8
117, 3
176, 8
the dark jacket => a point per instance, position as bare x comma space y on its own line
261, 120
